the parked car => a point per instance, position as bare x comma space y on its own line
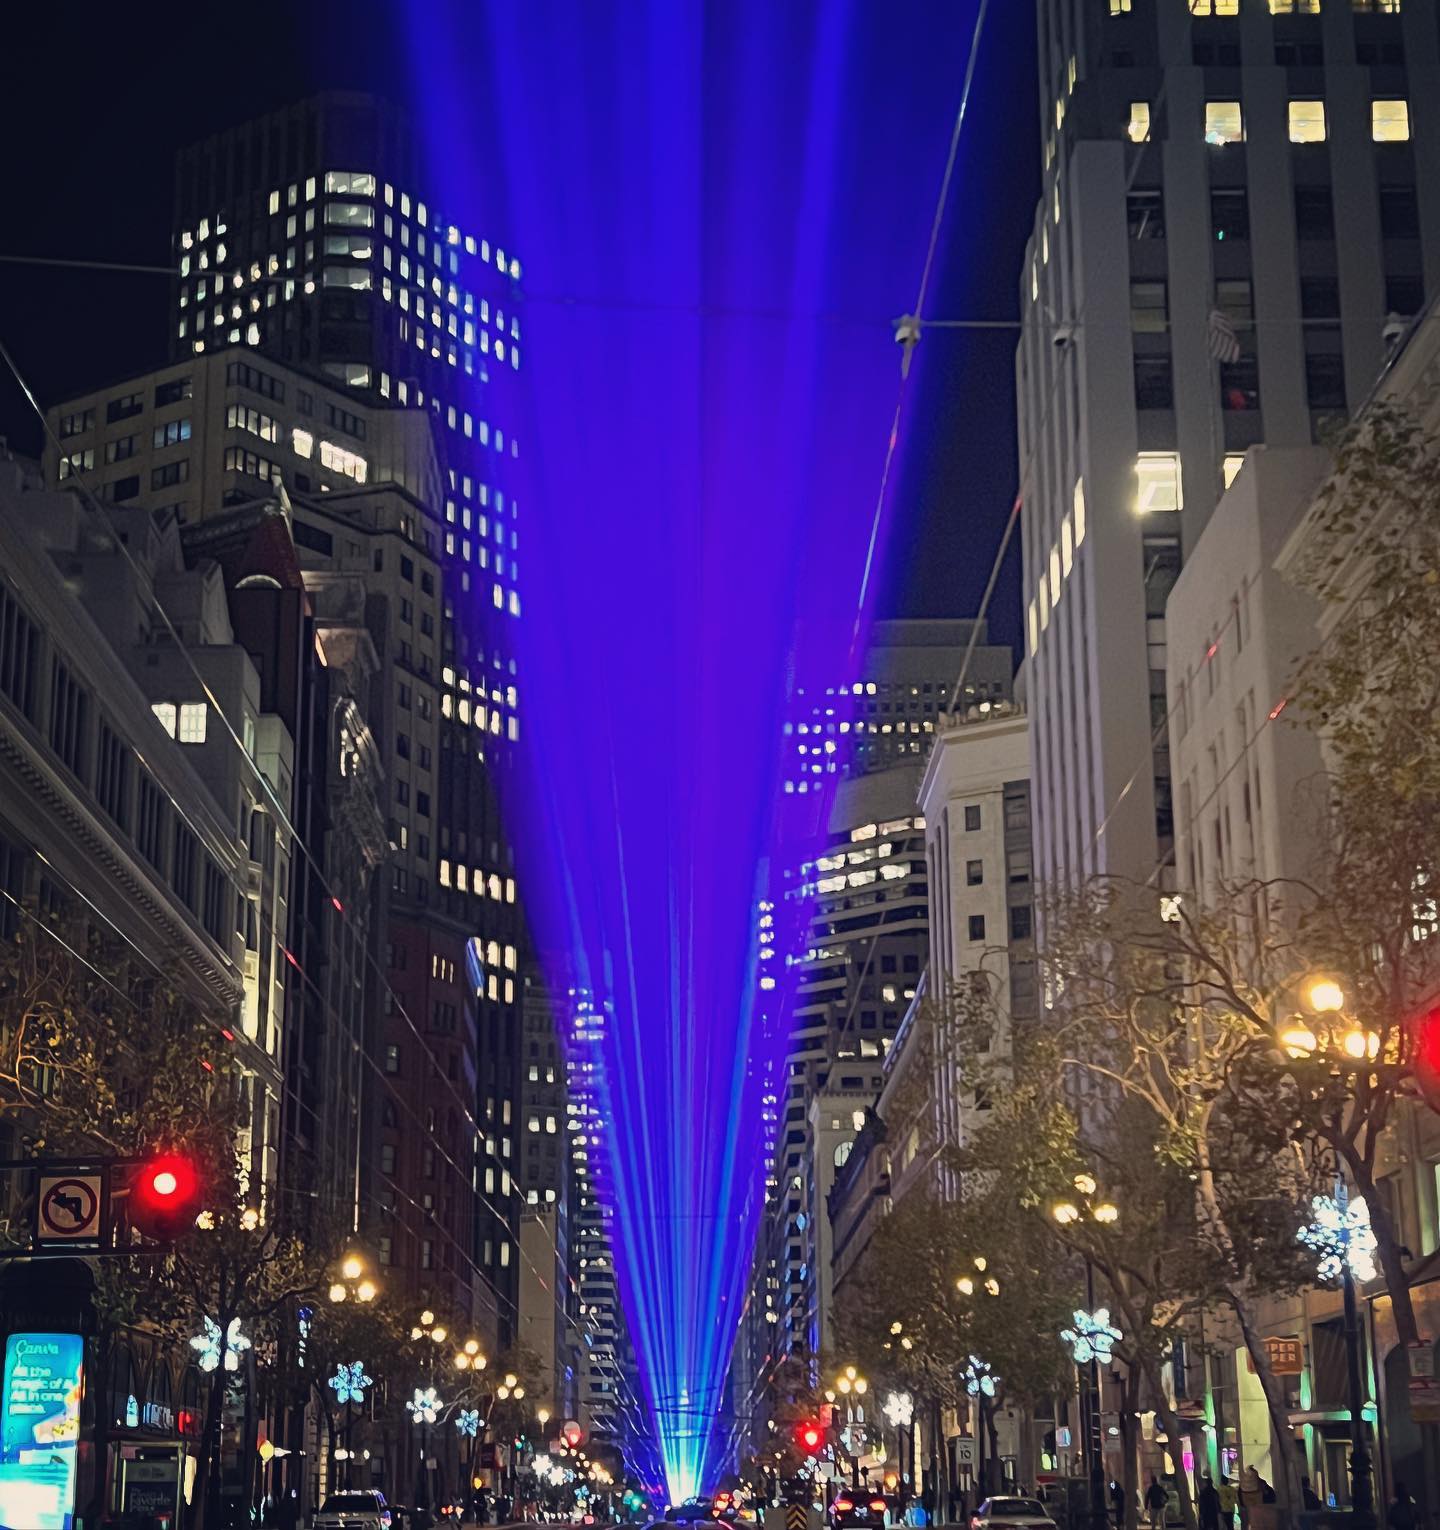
354, 1509
1011, 1514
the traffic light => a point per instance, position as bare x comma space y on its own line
810, 1437
1425, 1057
164, 1197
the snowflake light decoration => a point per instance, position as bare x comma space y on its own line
979, 1378
424, 1406
1339, 1232
1093, 1337
467, 1421
349, 1382
900, 1410
207, 1345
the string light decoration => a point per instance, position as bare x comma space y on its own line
1093, 1336
207, 1345
349, 1382
1340, 1234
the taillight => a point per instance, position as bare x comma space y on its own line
844, 1505
878, 1504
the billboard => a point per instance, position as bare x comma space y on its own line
40, 1430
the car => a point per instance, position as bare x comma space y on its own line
691, 1512
859, 1509
1011, 1514
354, 1509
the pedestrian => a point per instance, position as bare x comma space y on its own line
1228, 1501
1117, 1504
1209, 1504
1155, 1500
1402, 1513
1308, 1496
1257, 1510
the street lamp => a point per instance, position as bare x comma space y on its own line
965, 1284
1341, 1235
1106, 1214
430, 1333
852, 1386
353, 1282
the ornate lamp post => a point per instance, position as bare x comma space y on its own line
1340, 1229
430, 1334
852, 1386
1339, 1233
1105, 1213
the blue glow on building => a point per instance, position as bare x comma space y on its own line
722, 208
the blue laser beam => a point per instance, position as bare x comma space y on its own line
698, 189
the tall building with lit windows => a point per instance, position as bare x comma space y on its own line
1240, 210
313, 240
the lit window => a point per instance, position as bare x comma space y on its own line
192, 722
1119, 7
1055, 576
165, 714
1033, 621
1079, 504
1214, 7
1234, 461
302, 441
1224, 122
1389, 121
1067, 547
1139, 126
1294, 7
1157, 478
1307, 122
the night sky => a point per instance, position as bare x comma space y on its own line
96, 101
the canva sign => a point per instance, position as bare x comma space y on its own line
40, 1430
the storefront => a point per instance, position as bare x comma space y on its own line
151, 1430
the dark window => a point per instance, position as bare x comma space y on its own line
972, 817
427, 584
112, 775
121, 449
977, 927
172, 392
974, 873
422, 804
19, 642
407, 569
1240, 383
69, 713
1229, 213
1399, 212
1319, 297
1162, 569
125, 408
1154, 388
1020, 922
402, 745
392, 1058
172, 473
1325, 381
182, 866
212, 914
1404, 294
1314, 212
150, 822
125, 488
241, 375
313, 538
1145, 213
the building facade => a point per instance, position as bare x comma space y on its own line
1240, 201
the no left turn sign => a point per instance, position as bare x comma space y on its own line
68, 1208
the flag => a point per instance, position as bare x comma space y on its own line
1220, 337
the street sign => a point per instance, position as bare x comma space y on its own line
1062, 1438
1422, 1360
67, 1208
1286, 1355
965, 1450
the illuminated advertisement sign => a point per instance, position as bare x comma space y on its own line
40, 1430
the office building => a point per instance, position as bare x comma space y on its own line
1240, 200
312, 236
360, 489
885, 718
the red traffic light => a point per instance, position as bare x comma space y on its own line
164, 1196
572, 1434
1425, 1056
809, 1436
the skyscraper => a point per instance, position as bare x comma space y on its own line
1241, 203
311, 236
